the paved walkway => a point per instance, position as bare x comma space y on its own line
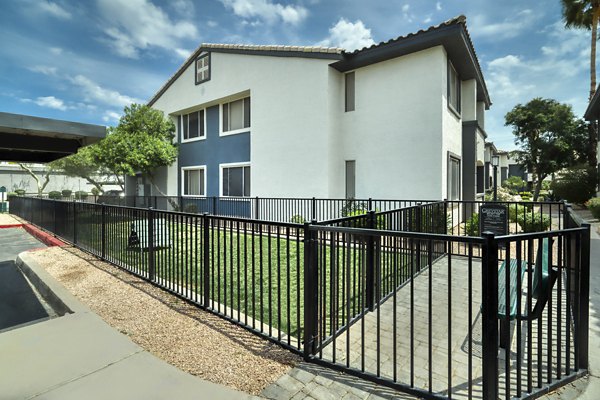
79, 356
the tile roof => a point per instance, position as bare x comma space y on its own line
303, 49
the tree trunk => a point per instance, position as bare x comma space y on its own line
592, 128
171, 201
40, 186
593, 52
538, 187
91, 181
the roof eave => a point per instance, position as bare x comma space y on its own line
453, 37
592, 113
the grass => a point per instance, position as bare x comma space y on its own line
255, 275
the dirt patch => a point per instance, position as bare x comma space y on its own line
181, 334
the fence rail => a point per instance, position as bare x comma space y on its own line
399, 296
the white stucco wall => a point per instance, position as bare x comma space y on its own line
289, 141
395, 132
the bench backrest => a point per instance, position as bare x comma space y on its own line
541, 264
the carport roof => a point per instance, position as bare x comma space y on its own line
33, 139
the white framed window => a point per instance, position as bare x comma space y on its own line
193, 181
453, 178
193, 126
235, 180
235, 116
202, 68
453, 89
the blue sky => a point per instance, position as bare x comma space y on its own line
85, 60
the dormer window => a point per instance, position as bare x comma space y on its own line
203, 68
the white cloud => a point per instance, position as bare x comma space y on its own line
110, 116
134, 25
438, 6
93, 92
554, 71
480, 26
51, 102
505, 62
349, 35
43, 69
53, 9
183, 53
183, 7
212, 24
265, 9
56, 51
405, 8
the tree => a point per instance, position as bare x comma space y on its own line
141, 143
84, 164
549, 135
584, 14
41, 181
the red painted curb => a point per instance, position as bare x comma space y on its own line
11, 226
43, 237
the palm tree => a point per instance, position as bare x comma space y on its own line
584, 14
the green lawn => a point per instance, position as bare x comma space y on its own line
254, 275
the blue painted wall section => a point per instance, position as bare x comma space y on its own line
212, 151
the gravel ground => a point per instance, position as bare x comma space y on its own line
7, 219
189, 338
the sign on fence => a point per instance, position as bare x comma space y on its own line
493, 218
139, 234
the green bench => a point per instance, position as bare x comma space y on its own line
539, 289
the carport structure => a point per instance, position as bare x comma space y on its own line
27, 138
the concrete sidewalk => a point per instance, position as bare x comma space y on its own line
78, 356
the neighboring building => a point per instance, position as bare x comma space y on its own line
592, 114
13, 177
400, 119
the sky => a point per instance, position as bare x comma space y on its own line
85, 60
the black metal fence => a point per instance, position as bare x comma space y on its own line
388, 296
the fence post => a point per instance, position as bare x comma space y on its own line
151, 264
584, 299
489, 310
74, 223
370, 261
370, 204
103, 232
256, 213
55, 225
566, 211
313, 216
311, 290
155, 202
214, 205
418, 228
206, 259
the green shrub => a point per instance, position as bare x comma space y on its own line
514, 184
95, 191
55, 195
594, 206
433, 219
351, 206
20, 192
502, 195
81, 195
472, 225
546, 185
297, 219
515, 210
363, 222
533, 222
576, 185
66, 193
